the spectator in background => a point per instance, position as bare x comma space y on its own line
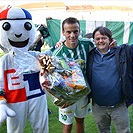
88, 35
109, 75
40, 38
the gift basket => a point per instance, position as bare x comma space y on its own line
62, 80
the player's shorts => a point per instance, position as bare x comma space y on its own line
80, 109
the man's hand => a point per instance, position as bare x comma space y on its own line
113, 43
5, 111
58, 44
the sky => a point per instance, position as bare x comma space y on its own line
71, 2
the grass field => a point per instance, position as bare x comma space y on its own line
56, 127
90, 127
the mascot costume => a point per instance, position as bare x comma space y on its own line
21, 96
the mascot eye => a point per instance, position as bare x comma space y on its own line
6, 26
28, 26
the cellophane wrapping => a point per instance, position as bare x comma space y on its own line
66, 83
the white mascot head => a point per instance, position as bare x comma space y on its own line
17, 29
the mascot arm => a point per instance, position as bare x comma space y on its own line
5, 111
36, 54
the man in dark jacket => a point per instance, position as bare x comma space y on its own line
110, 78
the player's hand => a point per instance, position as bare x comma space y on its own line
65, 105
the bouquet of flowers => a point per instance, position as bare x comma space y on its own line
63, 80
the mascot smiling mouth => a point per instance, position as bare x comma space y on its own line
19, 44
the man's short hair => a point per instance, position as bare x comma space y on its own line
70, 20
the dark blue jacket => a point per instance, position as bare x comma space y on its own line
123, 57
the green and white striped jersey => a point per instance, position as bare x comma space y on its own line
80, 52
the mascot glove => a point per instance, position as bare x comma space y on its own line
5, 111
